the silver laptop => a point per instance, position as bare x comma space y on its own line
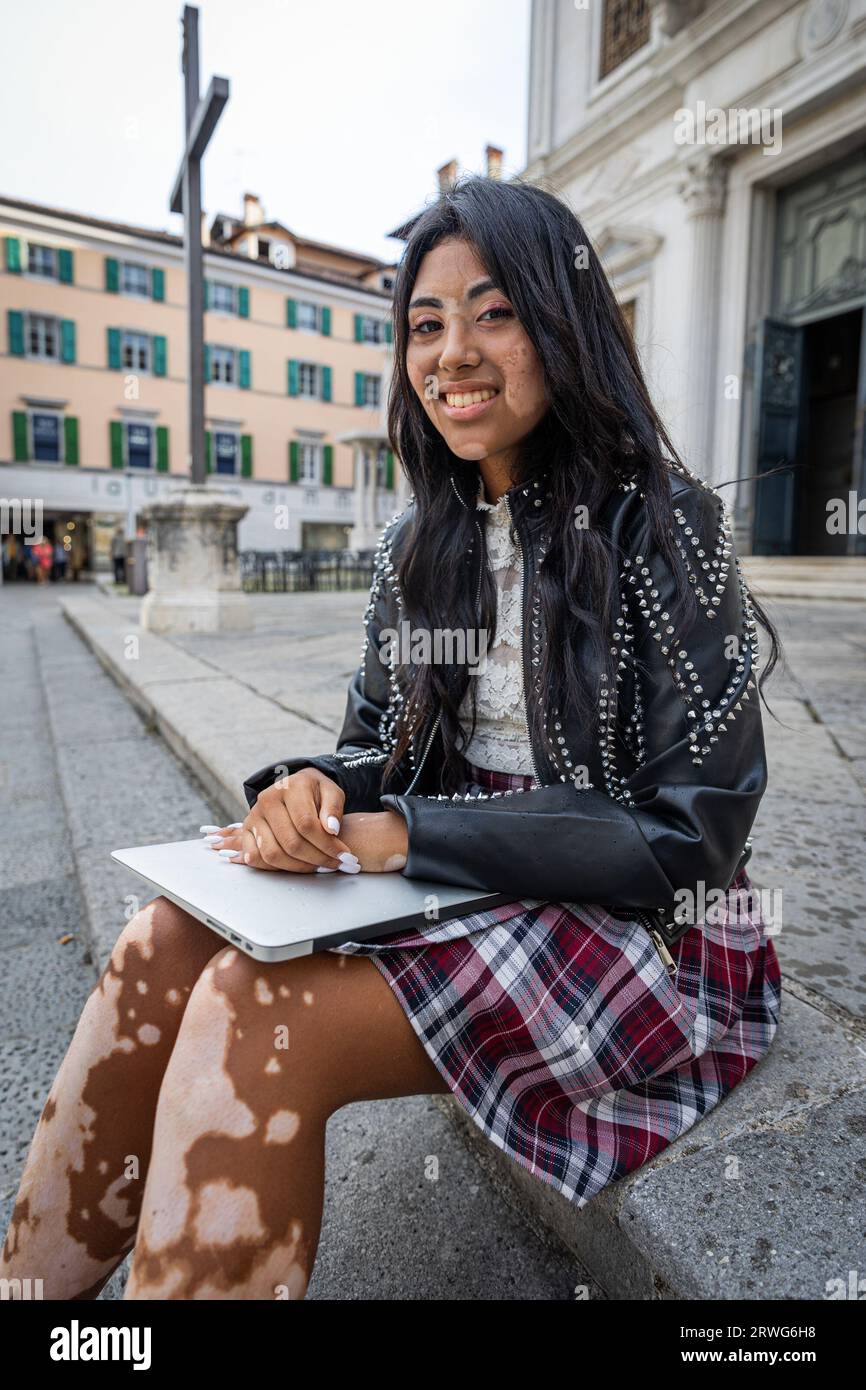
275, 916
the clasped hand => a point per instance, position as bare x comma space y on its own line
297, 826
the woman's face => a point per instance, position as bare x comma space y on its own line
469, 359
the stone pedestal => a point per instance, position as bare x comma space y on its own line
192, 563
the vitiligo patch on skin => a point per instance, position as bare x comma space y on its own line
282, 1127
263, 993
76, 1208
217, 1220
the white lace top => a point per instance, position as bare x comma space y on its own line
500, 741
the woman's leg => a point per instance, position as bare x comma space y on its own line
233, 1201
81, 1190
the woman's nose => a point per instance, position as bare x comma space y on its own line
458, 349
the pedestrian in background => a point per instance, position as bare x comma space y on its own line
118, 555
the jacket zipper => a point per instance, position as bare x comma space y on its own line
439, 715
662, 950
538, 781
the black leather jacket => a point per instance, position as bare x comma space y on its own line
658, 796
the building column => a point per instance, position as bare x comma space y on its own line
703, 192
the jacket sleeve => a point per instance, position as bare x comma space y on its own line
682, 753
366, 737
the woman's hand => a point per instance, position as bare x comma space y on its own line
375, 841
294, 826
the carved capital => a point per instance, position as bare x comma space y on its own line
703, 185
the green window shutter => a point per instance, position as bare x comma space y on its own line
67, 340
16, 333
115, 431
359, 328
389, 472
291, 313
294, 461
112, 275
157, 283
13, 255
207, 293
208, 451
244, 372
328, 464
70, 439
293, 378
243, 302
359, 388
246, 456
20, 445
160, 355
326, 321
114, 349
206, 363
326, 383
162, 448
64, 266
389, 331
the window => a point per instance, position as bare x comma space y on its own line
387, 282
222, 365
222, 297
372, 390
42, 260
135, 279
226, 450
308, 463
139, 444
135, 351
46, 432
373, 332
308, 380
308, 316
626, 29
43, 336
264, 248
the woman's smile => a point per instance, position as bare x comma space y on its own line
466, 402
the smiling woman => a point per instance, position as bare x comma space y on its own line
619, 760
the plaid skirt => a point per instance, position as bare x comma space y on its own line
559, 1030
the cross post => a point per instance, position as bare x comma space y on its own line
200, 119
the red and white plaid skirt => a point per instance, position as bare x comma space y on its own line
559, 1030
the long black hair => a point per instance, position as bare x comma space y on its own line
601, 429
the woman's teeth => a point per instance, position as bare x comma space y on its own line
470, 398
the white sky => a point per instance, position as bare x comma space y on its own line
340, 111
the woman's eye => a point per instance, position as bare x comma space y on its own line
499, 311
424, 324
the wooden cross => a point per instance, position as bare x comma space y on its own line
200, 118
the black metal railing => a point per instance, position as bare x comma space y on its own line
305, 571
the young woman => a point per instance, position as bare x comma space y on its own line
604, 765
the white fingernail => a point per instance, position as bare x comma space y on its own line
322, 869
227, 853
209, 829
350, 868
233, 858
236, 825
214, 839
333, 825
348, 858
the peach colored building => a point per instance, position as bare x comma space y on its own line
93, 391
